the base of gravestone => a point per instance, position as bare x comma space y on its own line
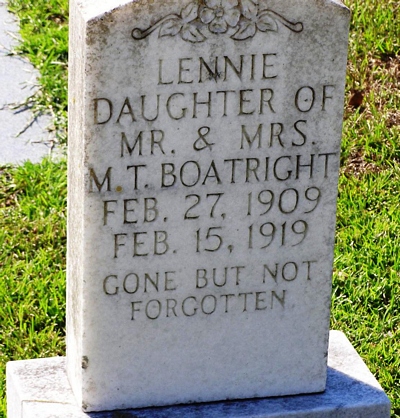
40, 389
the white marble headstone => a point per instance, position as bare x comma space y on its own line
204, 147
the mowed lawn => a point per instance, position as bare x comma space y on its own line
366, 282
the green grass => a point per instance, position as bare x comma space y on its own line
366, 296
44, 32
32, 262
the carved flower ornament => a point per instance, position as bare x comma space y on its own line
218, 16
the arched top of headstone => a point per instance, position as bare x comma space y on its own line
233, 12
92, 9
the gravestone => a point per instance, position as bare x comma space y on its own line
204, 156
204, 141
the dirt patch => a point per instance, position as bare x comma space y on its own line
380, 88
356, 165
59, 19
393, 119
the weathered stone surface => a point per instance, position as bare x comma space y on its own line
41, 390
204, 154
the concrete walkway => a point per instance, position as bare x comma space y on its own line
18, 81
